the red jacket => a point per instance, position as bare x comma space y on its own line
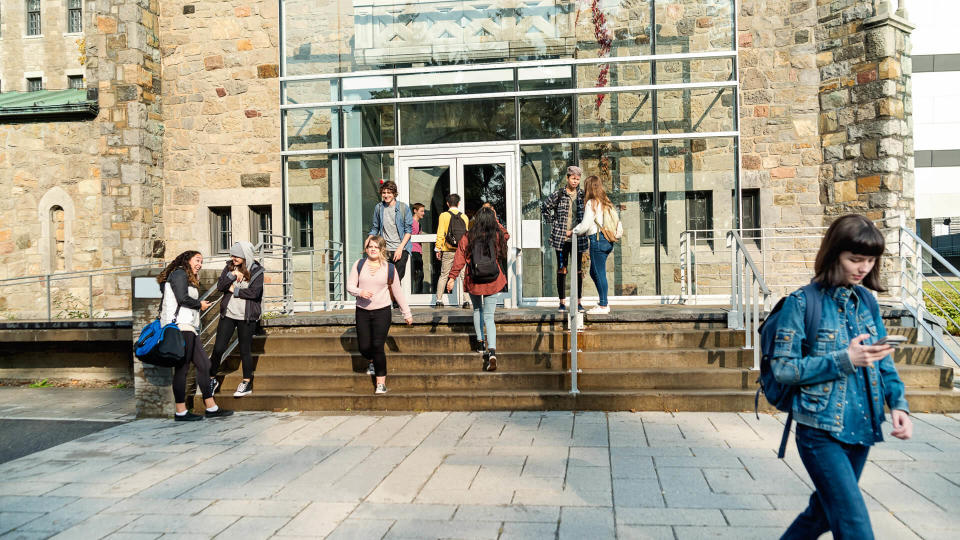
479, 289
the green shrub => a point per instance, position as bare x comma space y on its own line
943, 301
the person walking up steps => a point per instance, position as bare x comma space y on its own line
480, 252
601, 224
372, 280
843, 382
451, 227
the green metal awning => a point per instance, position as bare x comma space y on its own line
46, 105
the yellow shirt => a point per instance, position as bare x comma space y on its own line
443, 225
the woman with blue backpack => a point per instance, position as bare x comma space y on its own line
841, 373
180, 305
376, 283
480, 251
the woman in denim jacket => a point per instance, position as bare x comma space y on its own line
844, 380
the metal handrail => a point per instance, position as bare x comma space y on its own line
333, 270
574, 312
745, 298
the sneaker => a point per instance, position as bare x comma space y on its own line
467, 305
492, 361
245, 388
371, 370
381, 389
563, 307
580, 308
189, 417
219, 413
481, 347
599, 310
438, 304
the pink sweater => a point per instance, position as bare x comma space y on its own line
377, 284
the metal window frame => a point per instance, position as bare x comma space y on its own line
74, 14
37, 28
31, 81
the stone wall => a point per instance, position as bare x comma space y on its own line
52, 56
221, 137
865, 118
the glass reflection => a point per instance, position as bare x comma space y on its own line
312, 129
457, 121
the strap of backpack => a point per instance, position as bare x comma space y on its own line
811, 324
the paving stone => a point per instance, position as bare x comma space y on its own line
408, 477
205, 525
67, 516
25, 535
731, 533
566, 497
632, 465
253, 528
467, 496
512, 530
12, 503
589, 457
546, 514
391, 512
576, 523
929, 524
633, 493
740, 481
421, 528
132, 536
352, 529
588, 478
637, 532
670, 516
257, 508
760, 518
96, 526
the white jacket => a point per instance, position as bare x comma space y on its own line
592, 221
188, 319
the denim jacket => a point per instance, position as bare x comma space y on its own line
403, 218
827, 372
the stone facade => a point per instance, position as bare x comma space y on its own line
52, 56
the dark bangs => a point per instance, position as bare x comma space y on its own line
856, 234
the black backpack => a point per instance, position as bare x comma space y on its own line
455, 230
484, 267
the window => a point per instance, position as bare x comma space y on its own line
261, 224
75, 82
33, 17
751, 214
301, 225
221, 230
699, 206
74, 17
34, 84
647, 219
58, 239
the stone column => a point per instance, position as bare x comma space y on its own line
865, 110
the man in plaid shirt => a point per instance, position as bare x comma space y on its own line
563, 210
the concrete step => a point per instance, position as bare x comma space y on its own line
925, 376
469, 400
345, 362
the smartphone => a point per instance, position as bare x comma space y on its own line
892, 340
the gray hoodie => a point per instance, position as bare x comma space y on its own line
244, 303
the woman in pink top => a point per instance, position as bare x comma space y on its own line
373, 288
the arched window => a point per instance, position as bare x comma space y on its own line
57, 239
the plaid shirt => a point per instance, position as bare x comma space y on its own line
554, 210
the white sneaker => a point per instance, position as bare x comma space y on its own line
599, 310
381, 389
371, 370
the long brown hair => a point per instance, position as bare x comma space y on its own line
595, 192
242, 267
485, 226
856, 234
182, 261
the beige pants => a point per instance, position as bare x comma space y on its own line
446, 264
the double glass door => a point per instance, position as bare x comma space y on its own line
478, 179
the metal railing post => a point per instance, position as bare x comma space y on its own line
311, 279
90, 290
49, 301
574, 311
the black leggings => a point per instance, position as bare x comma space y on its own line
562, 278
198, 357
372, 328
245, 330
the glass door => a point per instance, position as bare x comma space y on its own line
478, 179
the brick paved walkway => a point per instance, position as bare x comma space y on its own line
460, 475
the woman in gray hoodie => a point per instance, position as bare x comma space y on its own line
241, 283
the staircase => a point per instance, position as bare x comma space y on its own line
664, 359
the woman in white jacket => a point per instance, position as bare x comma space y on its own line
597, 208
181, 304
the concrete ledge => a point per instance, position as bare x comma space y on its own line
66, 324
27, 335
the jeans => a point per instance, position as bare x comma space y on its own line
245, 330
416, 266
600, 247
401, 265
484, 307
193, 347
837, 504
372, 328
563, 257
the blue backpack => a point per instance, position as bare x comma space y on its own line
778, 394
162, 346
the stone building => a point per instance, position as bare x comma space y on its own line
224, 120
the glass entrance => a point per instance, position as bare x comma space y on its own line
427, 181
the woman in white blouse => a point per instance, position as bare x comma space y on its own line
597, 208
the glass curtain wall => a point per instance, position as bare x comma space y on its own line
646, 100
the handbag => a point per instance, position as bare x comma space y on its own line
161, 345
